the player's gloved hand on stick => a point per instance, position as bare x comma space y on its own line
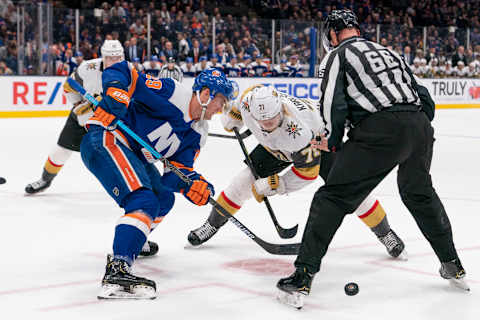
84, 110
231, 118
199, 191
106, 119
268, 186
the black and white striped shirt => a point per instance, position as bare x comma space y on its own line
361, 77
176, 73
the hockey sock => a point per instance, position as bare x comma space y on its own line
216, 218
55, 162
375, 218
131, 233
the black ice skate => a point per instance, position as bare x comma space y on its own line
150, 248
454, 272
294, 288
395, 246
202, 234
37, 186
119, 283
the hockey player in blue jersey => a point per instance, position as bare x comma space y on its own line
170, 117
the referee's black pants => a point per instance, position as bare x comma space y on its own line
377, 145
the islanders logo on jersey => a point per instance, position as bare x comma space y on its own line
293, 129
216, 73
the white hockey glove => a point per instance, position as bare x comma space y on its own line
265, 187
83, 110
231, 118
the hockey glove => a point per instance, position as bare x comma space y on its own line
199, 191
268, 186
103, 118
84, 110
231, 118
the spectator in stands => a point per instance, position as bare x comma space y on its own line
197, 28
70, 61
295, 66
448, 71
249, 46
222, 55
183, 46
188, 68
469, 56
201, 65
232, 68
213, 63
4, 69
431, 54
259, 68
117, 10
196, 51
245, 65
169, 51
137, 27
281, 70
165, 14
472, 72
133, 51
433, 68
152, 67
459, 56
460, 70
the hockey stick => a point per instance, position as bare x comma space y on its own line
279, 249
244, 135
283, 233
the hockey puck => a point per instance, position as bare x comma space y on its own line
2, 180
351, 289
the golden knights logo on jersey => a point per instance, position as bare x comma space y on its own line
91, 66
293, 129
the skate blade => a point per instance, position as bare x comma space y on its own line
459, 283
294, 299
114, 291
403, 256
189, 246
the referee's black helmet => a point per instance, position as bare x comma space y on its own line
338, 20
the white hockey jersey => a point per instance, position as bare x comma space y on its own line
290, 142
89, 75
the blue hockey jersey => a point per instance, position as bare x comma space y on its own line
156, 109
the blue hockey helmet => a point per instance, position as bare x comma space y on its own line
236, 89
216, 81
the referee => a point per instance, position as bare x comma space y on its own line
373, 91
171, 70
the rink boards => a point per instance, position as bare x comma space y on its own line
40, 96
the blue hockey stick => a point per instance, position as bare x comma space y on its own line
280, 249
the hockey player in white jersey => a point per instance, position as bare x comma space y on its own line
284, 126
89, 75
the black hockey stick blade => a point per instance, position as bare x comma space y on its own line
277, 249
244, 135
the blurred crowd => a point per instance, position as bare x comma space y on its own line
182, 31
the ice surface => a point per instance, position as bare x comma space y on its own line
55, 243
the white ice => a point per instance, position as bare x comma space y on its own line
55, 243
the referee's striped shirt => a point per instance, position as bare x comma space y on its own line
360, 77
176, 73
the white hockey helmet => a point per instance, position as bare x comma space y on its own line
265, 103
112, 48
